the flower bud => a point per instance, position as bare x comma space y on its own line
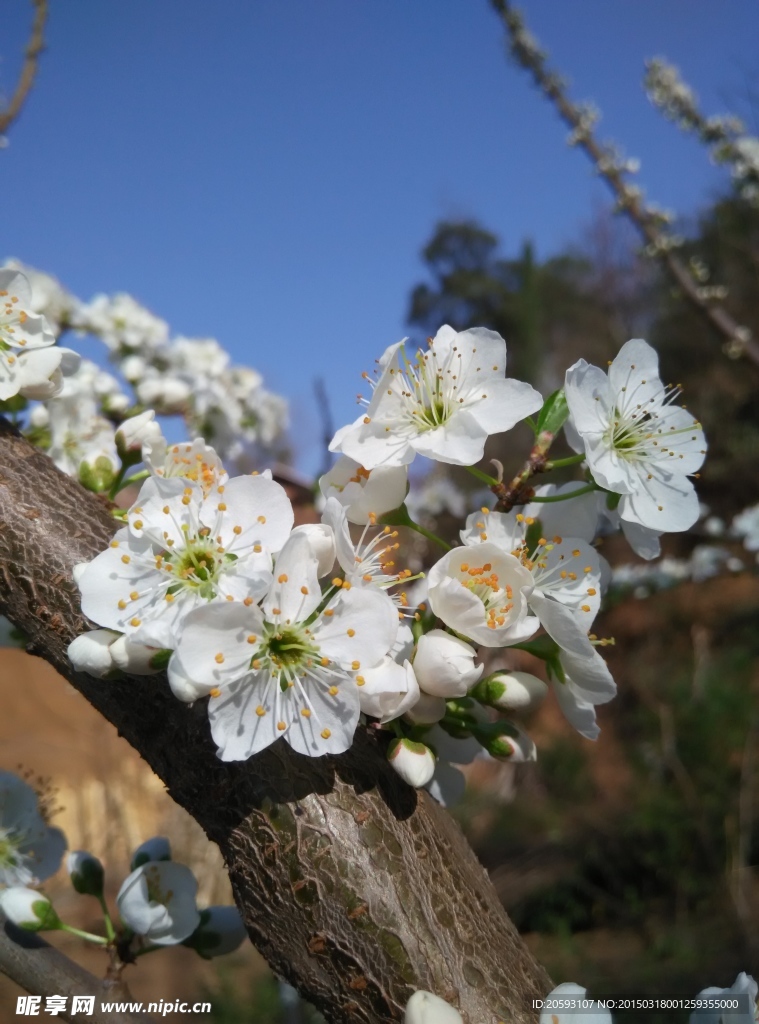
28, 909
414, 762
91, 652
97, 477
39, 417
220, 932
321, 540
86, 873
427, 710
506, 742
511, 691
134, 658
444, 665
425, 1008
133, 432
157, 848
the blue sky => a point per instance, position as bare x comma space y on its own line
267, 172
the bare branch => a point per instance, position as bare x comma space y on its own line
39, 968
29, 70
355, 888
739, 340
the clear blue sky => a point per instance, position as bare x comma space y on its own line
266, 171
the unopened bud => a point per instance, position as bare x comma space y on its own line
426, 1008
99, 476
133, 658
157, 848
91, 652
86, 873
133, 432
414, 762
220, 932
506, 742
511, 691
28, 909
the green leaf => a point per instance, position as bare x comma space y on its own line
554, 413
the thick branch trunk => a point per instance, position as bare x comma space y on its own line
355, 888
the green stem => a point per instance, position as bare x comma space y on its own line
570, 460
428, 534
110, 931
135, 478
567, 497
84, 935
116, 485
485, 477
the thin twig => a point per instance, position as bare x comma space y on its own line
39, 968
29, 70
327, 423
738, 339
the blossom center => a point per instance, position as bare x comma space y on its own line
286, 651
484, 583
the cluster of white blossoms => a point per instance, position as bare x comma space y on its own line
76, 419
301, 633
31, 364
156, 902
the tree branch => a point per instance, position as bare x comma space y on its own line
738, 338
29, 70
355, 888
43, 970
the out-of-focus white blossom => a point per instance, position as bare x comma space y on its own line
157, 901
30, 850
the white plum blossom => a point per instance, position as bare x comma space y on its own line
365, 492
480, 593
183, 549
157, 901
30, 850
566, 569
30, 363
444, 665
79, 433
191, 460
321, 540
389, 690
444, 404
587, 680
369, 562
636, 442
48, 296
122, 324
290, 668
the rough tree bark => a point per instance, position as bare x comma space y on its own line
355, 888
